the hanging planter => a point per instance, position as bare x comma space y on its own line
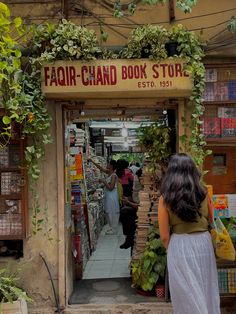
172, 48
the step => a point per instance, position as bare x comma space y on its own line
139, 308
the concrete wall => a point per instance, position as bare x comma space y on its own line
33, 275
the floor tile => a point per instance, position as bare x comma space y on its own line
108, 260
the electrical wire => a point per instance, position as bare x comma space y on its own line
52, 283
101, 21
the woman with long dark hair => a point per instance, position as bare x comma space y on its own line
183, 217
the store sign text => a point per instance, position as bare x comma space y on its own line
121, 74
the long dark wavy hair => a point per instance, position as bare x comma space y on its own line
181, 188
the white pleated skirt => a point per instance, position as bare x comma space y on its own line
193, 275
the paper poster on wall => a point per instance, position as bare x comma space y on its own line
221, 206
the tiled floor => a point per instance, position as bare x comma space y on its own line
108, 261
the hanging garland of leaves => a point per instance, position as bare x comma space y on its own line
20, 87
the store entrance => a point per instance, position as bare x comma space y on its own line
92, 139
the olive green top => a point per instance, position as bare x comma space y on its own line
179, 226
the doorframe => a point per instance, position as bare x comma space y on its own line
62, 293
180, 107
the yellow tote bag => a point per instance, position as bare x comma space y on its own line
222, 242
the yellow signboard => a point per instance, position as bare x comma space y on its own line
123, 78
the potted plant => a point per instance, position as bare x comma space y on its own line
149, 268
147, 41
154, 140
12, 298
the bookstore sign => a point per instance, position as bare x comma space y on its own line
116, 78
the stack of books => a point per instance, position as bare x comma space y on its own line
147, 211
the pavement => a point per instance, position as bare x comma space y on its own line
140, 308
116, 296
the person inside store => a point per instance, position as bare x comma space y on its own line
128, 216
134, 167
184, 216
128, 212
126, 177
137, 185
111, 202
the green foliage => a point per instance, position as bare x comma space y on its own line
186, 5
147, 40
9, 290
66, 41
151, 264
155, 139
137, 157
20, 94
232, 24
10, 71
190, 48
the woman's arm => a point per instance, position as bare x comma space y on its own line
127, 202
210, 209
163, 219
98, 166
110, 186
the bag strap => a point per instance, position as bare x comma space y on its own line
210, 209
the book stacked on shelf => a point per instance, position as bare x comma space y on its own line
147, 211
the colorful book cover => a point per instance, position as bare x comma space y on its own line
221, 206
226, 112
223, 280
232, 280
211, 75
228, 127
211, 127
221, 91
232, 90
208, 94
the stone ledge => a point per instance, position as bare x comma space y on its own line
140, 308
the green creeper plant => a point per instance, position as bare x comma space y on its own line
190, 49
146, 41
21, 97
150, 266
154, 140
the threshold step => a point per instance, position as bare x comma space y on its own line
142, 308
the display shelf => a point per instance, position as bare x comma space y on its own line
226, 278
228, 295
225, 264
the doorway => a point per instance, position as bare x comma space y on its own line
94, 254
